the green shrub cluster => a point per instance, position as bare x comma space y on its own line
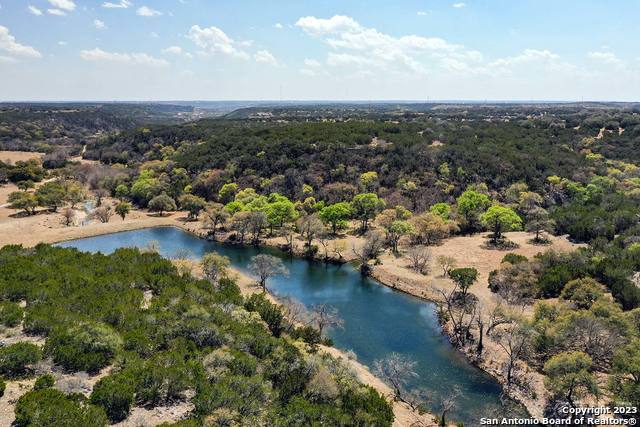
191, 338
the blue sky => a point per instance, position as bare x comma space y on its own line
319, 49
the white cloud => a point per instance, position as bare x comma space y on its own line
265, 57
123, 4
148, 12
174, 50
608, 58
308, 72
99, 55
213, 40
56, 12
99, 24
278, 25
527, 56
311, 62
8, 44
423, 12
367, 47
62, 43
459, 5
67, 5
34, 10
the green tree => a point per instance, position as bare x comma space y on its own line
51, 195
396, 231
44, 381
23, 200
122, 191
500, 219
569, 376
336, 215
146, 187
443, 210
471, 204
368, 181
538, 221
280, 211
26, 185
88, 346
464, 278
161, 204
50, 407
123, 209
74, 193
114, 394
227, 193
10, 314
192, 204
15, 359
365, 208
582, 292
625, 381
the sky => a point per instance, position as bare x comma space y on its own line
417, 50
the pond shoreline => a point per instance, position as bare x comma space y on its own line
404, 415
145, 221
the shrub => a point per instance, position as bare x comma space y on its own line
45, 381
512, 258
115, 395
86, 347
50, 407
270, 313
15, 359
3, 386
308, 334
10, 314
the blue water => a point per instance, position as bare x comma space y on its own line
377, 320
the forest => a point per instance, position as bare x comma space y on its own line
399, 179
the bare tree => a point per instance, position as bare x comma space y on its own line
338, 247
215, 266
294, 311
513, 340
446, 263
325, 316
265, 267
103, 213
288, 232
68, 216
370, 249
213, 216
323, 239
396, 370
460, 312
152, 247
447, 403
498, 316
419, 258
240, 224
257, 223
100, 194
309, 227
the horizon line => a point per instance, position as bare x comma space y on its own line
325, 101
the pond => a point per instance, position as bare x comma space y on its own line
377, 319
